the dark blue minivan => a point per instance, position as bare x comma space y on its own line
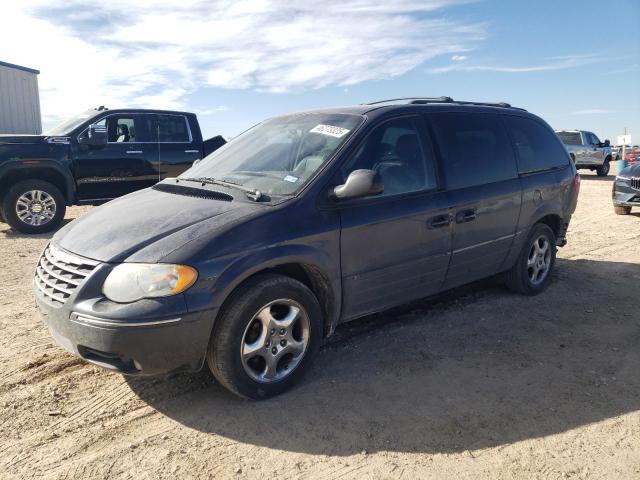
252, 257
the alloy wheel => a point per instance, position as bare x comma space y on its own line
539, 260
275, 341
36, 207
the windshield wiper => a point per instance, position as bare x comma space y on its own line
253, 193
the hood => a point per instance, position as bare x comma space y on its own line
631, 170
22, 139
147, 225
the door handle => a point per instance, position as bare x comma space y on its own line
133, 151
464, 216
192, 151
439, 221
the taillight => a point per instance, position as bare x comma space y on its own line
576, 183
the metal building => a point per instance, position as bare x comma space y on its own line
19, 100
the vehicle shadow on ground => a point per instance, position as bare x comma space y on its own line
9, 232
594, 177
471, 369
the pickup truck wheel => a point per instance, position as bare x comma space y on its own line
603, 170
531, 273
266, 337
621, 210
33, 206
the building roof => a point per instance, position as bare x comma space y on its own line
18, 67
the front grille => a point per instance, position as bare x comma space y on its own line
635, 183
59, 273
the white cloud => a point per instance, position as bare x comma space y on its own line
592, 111
549, 64
459, 58
155, 52
214, 110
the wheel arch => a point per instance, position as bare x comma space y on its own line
553, 221
50, 172
303, 265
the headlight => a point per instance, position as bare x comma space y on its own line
129, 282
622, 178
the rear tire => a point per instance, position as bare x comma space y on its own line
531, 273
266, 337
603, 170
33, 206
621, 210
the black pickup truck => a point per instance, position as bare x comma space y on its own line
94, 157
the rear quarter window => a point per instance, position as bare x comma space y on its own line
536, 147
474, 147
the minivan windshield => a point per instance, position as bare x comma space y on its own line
278, 156
71, 124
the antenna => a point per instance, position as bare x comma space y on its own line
158, 143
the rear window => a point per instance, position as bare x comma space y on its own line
570, 138
537, 148
475, 149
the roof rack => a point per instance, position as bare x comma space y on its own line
415, 100
426, 100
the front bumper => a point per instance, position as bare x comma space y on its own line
146, 337
624, 195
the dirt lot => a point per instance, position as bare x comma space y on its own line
478, 383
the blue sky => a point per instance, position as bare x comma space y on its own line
575, 63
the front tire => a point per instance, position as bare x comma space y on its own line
33, 206
266, 337
621, 210
531, 273
603, 170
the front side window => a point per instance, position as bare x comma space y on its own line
594, 139
475, 149
121, 129
536, 147
279, 155
396, 152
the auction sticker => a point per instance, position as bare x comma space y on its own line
330, 130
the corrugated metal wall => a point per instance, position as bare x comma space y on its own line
19, 101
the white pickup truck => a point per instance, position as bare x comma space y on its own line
587, 151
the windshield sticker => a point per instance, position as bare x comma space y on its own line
337, 132
291, 178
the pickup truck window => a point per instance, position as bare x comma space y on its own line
570, 138
173, 128
71, 124
536, 147
280, 155
594, 140
121, 129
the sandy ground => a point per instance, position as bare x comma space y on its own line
477, 383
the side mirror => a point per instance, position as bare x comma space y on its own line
96, 135
607, 143
360, 183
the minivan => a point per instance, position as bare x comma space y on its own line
251, 258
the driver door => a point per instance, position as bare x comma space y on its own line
395, 246
128, 161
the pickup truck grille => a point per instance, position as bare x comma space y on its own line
59, 273
635, 183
